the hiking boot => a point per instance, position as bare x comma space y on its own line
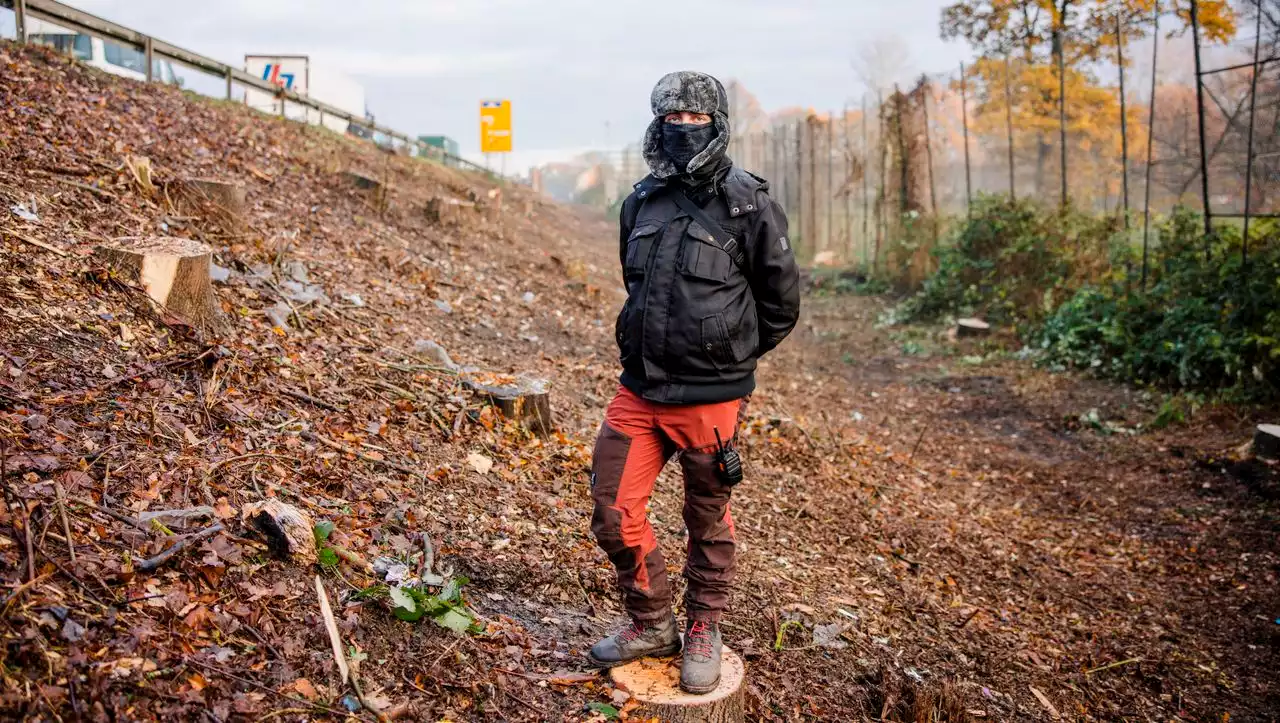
642, 638
700, 669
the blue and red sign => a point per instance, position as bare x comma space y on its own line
271, 73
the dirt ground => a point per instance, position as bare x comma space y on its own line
929, 530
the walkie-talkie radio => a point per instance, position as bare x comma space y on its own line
728, 463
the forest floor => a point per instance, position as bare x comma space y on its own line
927, 527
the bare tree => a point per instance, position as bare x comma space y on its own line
883, 62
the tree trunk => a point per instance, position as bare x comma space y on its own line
655, 685
173, 271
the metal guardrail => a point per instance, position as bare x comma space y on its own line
80, 21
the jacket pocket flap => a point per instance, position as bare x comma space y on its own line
644, 229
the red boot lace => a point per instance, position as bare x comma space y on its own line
698, 640
636, 629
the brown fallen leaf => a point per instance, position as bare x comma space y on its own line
305, 689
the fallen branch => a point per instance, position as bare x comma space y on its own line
146, 371
331, 625
153, 563
66, 523
310, 400
35, 242
112, 513
312, 436
84, 186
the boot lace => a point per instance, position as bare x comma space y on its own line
698, 640
633, 631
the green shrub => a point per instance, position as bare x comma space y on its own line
1070, 282
1010, 260
1203, 324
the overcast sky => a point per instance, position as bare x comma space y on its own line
568, 66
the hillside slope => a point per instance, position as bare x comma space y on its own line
927, 533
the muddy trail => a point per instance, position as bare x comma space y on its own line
929, 530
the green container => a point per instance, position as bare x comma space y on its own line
444, 143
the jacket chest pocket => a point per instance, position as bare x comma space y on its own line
639, 249
702, 257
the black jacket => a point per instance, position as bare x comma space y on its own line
694, 323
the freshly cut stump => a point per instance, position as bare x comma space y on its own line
1266, 441
445, 209
173, 271
655, 685
972, 327
206, 198
525, 400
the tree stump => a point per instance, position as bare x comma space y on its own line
527, 401
219, 201
362, 182
445, 209
1266, 441
173, 271
655, 684
972, 327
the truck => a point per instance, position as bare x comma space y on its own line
106, 55
300, 74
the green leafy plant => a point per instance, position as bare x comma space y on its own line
604, 709
446, 608
325, 554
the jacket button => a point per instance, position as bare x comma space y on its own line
750, 207
708, 347
735, 210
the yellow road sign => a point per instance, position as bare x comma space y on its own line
495, 126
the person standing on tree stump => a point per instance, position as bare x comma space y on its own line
712, 285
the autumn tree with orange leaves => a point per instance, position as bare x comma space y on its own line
1049, 50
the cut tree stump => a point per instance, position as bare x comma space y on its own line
972, 327
206, 198
445, 209
654, 683
527, 401
362, 182
173, 271
1266, 441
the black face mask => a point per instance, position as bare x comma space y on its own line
683, 141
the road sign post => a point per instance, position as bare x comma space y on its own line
495, 126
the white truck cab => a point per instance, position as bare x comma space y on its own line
107, 55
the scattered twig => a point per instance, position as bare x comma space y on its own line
1109, 666
310, 706
331, 625
9, 497
133, 521
145, 371
312, 436
302, 397
13, 594
84, 186
35, 242
153, 563
923, 428
66, 523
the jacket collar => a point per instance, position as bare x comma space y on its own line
738, 190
